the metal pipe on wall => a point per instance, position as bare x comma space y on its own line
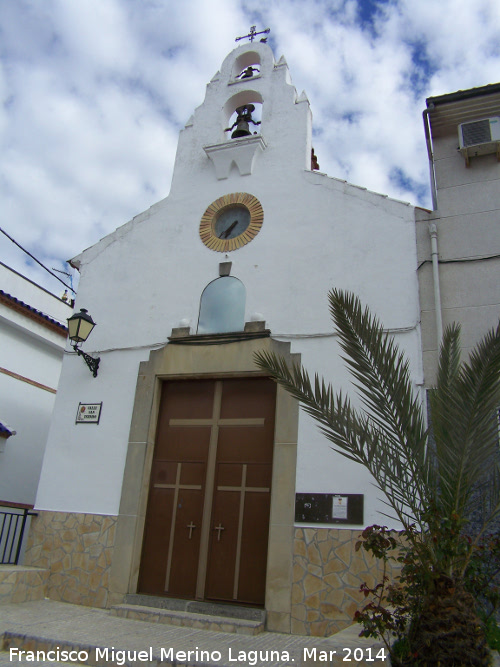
437, 287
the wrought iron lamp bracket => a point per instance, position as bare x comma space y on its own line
92, 362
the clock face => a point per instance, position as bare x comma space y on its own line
231, 222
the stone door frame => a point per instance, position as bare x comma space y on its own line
187, 361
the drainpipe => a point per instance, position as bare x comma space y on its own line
428, 141
433, 228
437, 289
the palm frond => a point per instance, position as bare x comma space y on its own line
382, 377
464, 408
388, 436
354, 435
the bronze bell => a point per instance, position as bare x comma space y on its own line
243, 120
241, 130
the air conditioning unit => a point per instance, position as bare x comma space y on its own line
479, 137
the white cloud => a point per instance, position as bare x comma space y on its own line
95, 92
97, 33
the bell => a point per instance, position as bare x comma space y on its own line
243, 119
241, 130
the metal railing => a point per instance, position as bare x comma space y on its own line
13, 518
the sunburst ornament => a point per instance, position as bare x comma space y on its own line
231, 222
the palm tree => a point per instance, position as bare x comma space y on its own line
428, 477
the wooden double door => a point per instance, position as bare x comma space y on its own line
207, 520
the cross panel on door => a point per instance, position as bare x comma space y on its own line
208, 510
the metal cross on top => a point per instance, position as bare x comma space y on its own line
253, 34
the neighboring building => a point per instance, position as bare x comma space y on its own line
459, 241
463, 272
32, 340
187, 484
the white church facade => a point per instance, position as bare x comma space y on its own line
200, 479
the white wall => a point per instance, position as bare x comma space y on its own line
32, 350
29, 292
139, 282
468, 236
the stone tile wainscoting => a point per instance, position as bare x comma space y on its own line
77, 551
327, 574
22, 584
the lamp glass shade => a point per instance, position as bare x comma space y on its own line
80, 326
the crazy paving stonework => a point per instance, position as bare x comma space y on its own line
77, 550
327, 574
22, 584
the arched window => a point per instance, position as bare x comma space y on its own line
243, 114
246, 66
222, 306
245, 120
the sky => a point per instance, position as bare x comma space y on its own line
94, 94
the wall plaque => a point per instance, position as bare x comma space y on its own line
88, 413
334, 508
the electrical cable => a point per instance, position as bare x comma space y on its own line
36, 260
459, 260
236, 339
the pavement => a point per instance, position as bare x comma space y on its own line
99, 638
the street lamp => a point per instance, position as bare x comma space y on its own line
79, 326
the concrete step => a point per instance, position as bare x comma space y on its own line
110, 641
197, 607
279, 651
197, 615
5, 661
